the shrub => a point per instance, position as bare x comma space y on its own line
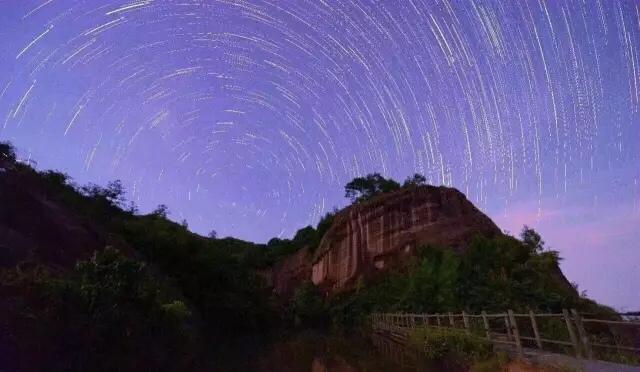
107, 314
448, 343
308, 306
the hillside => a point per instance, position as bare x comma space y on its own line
88, 283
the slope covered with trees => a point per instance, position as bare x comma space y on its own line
88, 283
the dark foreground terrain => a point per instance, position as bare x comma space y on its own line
89, 283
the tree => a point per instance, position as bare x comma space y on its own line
112, 194
307, 305
113, 304
132, 208
213, 234
281, 247
161, 211
306, 236
532, 239
7, 151
56, 179
325, 222
415, 180
363, 188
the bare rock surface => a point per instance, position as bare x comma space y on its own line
370, 237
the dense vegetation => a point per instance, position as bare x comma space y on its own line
160, 290
98, 316
150, 298
449, 343
361, 189
492, 275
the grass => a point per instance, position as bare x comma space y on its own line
448, 343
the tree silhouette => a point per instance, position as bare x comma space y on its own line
7, 152
415, 180
161, 211
363, 188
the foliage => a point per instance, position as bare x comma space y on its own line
7, 152
55, 181
415, 180
111, 305
209, 273
364, 188
98, 316
306, 236
112, 195
361, 189
213, 234
325, 224
161, 211
276, 249
308, 306
492, 275
440, 343
532, 240
229, 295
176, 311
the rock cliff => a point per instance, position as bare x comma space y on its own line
289, 273
370, 237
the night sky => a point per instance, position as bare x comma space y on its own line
248, 117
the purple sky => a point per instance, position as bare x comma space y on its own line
248, 117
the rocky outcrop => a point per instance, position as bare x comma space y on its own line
286, 275
370, 237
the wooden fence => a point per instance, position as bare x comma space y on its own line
583, 335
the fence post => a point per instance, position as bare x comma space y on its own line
413, 321
486, 324
583, 334
536, 333
465, 319
508, 327
572, 335
438, 319
516, 333
451, 322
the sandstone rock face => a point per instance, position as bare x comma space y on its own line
368, 238
286, 275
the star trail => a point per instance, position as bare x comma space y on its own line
250, 116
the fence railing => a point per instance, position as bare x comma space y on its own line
610, 337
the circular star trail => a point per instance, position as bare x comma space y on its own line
249, 116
